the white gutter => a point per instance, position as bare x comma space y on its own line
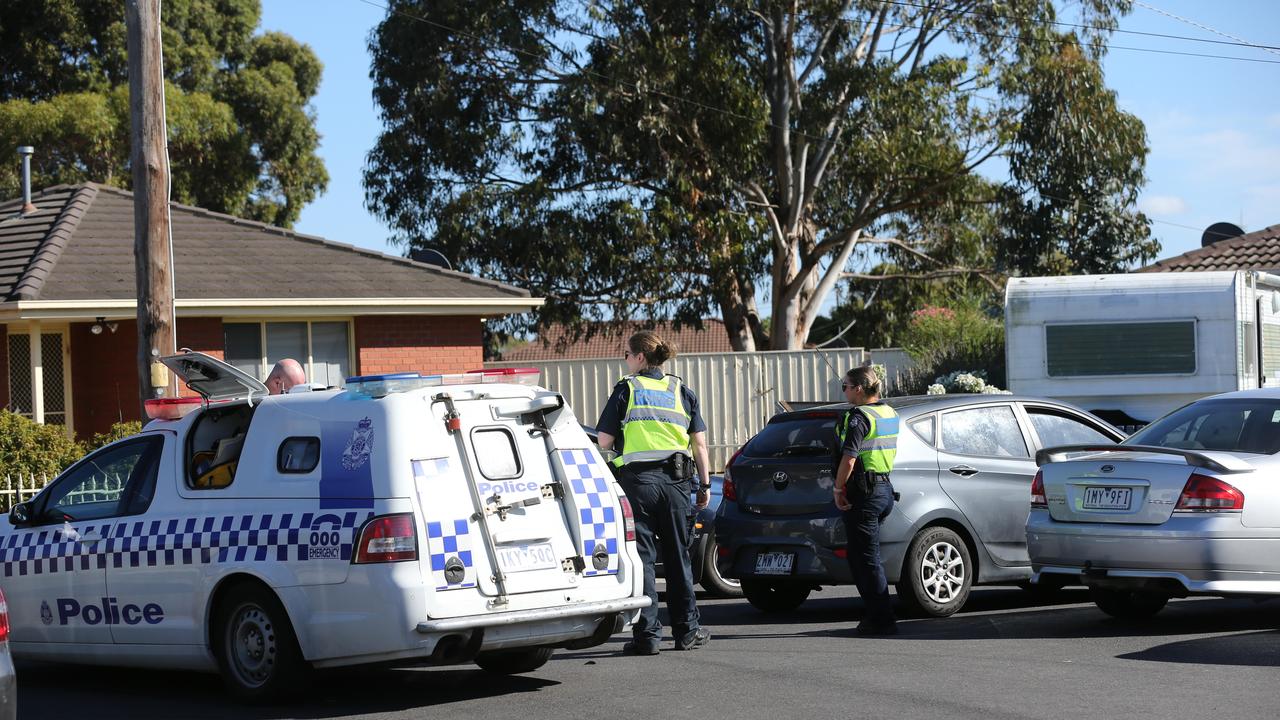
268, 307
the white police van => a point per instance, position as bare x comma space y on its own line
406, 518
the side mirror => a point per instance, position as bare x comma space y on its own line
20, 514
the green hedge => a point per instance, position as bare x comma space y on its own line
28, 448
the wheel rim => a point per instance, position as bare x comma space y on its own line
715, 568
942, 572
251, 646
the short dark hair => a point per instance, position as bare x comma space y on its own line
864, 377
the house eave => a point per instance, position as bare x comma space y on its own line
268, 307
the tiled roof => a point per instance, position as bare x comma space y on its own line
1258, 250
555, 343
78, 245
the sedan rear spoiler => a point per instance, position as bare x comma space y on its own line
1217, 462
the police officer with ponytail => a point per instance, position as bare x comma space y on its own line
653, 423
868, 436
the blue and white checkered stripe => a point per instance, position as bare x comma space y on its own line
597, 515
451, 539
177, 541
433, 468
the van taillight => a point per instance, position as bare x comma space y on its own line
727, 489
4, 619
389, 538
1038, 499
628, 518
1206, 493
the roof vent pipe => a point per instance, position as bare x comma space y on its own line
26, 151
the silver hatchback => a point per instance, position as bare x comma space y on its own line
963, 472
1190, 505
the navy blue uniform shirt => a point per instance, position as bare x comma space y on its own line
616, 408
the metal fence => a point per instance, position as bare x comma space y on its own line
738, 392
18, 487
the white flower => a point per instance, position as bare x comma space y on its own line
993, 390
936, 389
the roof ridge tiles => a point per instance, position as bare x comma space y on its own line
33, 277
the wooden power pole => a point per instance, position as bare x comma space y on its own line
150, 194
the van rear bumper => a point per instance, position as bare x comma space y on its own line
520, 617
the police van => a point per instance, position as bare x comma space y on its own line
405, 518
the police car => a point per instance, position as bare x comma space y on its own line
445, 519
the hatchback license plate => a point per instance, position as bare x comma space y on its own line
522, 558
775, 563
1107, 498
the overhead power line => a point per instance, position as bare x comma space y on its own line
1269, 48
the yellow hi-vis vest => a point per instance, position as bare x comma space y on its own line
656, 425
880, 446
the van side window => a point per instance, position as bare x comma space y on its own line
298, 455
495, 451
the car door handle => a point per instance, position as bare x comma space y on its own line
964, 470
89, 538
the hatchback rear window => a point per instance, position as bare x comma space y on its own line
1249, 425
796, 436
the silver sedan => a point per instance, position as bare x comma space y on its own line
1189, 505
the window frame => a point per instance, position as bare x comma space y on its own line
515, 451
941, 446
1195, 347
308, 364
280, 468
40, 504
1029, 408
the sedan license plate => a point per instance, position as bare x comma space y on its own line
1107, 498
775, 563
523, 558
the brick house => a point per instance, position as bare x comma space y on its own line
1258, 250
246, 292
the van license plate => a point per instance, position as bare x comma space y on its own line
1107, 498
523, 558
774, 563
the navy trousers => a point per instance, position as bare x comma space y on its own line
862, 527
662, 506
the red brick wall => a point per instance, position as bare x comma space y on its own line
421, 343
104, 374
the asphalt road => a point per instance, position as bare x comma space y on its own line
1005, 656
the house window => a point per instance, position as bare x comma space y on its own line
323, 347
1121, 348
53, 371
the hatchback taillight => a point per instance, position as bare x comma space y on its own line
727, 489
1206, 493
628, 519
4, 619
1038, 499
389, 538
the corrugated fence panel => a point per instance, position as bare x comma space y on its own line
739, 392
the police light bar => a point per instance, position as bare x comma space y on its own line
171, 408
380, 385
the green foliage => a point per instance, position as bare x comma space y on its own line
666, 158
29, 448
118, 431
241, 138
942, 340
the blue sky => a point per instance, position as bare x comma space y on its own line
1213, 125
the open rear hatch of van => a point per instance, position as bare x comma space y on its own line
517, 502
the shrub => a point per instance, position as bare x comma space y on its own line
118, 431
945, 341
29, 448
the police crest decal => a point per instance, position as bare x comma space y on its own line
46, 613
359, 446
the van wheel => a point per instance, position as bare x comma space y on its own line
938, 573
1128, 604
514, 662
712, 581
774, 597
255, 646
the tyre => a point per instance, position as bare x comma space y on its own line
1128, 604
712, 581
938, 573
255, 645
772, 597
514, 662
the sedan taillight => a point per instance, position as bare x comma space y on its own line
389, 538
727, 489
1038, 499
1204, 493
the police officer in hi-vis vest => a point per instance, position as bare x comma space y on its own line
657, 419
868, 436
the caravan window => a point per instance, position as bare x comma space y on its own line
1121, 348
